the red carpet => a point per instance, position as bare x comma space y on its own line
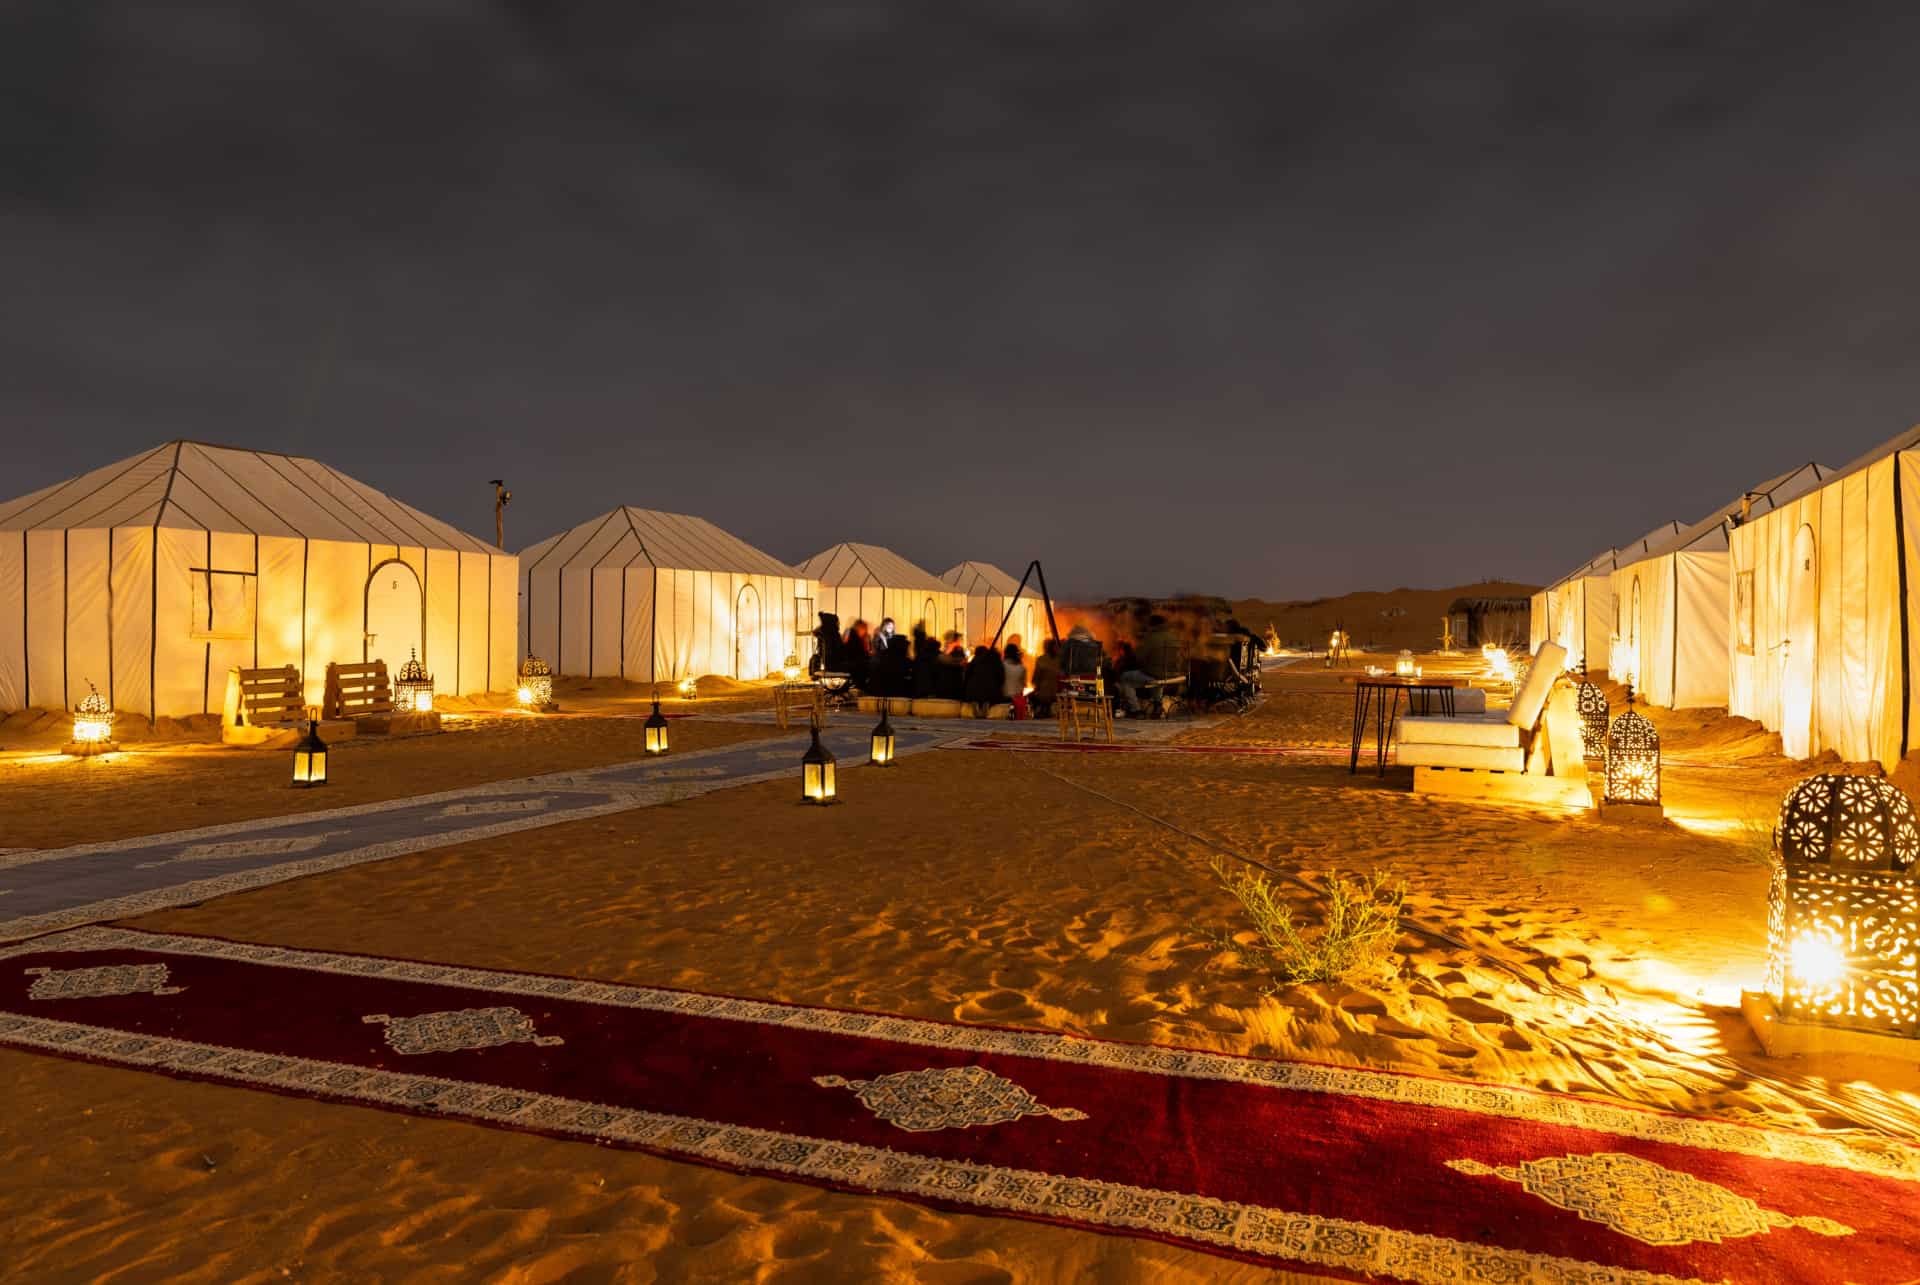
1359, 1173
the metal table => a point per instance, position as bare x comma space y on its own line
1380, 693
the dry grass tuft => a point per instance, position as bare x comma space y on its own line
1356, 935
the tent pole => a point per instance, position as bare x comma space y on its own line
1033, 571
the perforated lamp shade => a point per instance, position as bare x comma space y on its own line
816, 772
1633, 759
656, 730
310, 759
413, 687
881, 754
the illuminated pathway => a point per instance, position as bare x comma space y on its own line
60, 887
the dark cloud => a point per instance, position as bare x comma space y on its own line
1264, 298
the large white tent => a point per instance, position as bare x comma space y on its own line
990, 591
1577, 611
656, 597
150, 578
1673, 605
867, 582
1822, 611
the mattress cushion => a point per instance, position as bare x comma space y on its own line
1483, 757
1491, 731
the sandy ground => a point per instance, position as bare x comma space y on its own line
1061, 891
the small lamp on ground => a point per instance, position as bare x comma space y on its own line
92, 725
791, 670
687, 688
1843, 912
413, 688
881, 754
536, 684
656, 728
816, 771
1633, 759
310, 759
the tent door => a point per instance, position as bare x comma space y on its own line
396, 615
1800, 649
748, 662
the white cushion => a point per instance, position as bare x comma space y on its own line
1532, 696
1484, 757
1470, 700
1495, 733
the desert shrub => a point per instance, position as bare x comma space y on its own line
1360, 923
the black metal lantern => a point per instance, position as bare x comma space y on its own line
1593, 719
1843, 914
881, 754
1633, 759
413, 687
816, 771
310, 759
536, 684
656, 728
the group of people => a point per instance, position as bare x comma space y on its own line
883, 662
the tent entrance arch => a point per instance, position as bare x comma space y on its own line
748, 660
1800, 648
396, 614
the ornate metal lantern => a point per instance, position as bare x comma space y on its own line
310, 759
1633, 759
1403, 665
1593, 719
687, 688
656, 728
816, 771
791, 670
413, 689
1843, 915
92, 725
881, 754
536, 683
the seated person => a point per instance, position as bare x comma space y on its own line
1082, 656
951, 681
986, 680
827, 647
926, 662
858, 660
1046, 678
1162, 655
890, 668
1015, 684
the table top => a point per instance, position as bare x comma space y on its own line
1395, 680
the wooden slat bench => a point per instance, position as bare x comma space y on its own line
358, 690
264, 697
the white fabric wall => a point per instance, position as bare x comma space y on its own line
985, 612
1700, 644
873, 604
1858, 687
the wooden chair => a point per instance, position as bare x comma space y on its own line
264, 698
358, 690
792, 698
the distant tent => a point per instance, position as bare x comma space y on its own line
989, 591
1581, 610
152, 577
867, 582
656, 597
1673, 604
1824, 645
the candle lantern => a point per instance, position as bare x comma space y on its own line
413, 689
1633, 759
1404, 666
536, 684
816, 771
1843, 914
881, 755
92, 725
656, 728
687, 688
791, 670
1593, 719
310, 759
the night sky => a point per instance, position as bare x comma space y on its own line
1254, 299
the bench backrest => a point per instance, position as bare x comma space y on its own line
265, 697
358, 689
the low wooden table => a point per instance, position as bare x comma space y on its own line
789, 698
1381, 693
1093, 710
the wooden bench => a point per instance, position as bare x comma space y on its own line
264, 698
358, 690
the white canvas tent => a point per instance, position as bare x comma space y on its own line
150, 578
1673, 604
989, 591
1579, 608
1822, 611
867, 582
656, 597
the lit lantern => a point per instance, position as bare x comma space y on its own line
791, 670
1404, 666
310, 759
1497, 663
688, 689
536, 683
413, 689
1633, 759
816, 772
881, 755
1521, 669
656, 729
1844, 910
92, 725
1593, 719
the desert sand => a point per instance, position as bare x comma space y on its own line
1069, 892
